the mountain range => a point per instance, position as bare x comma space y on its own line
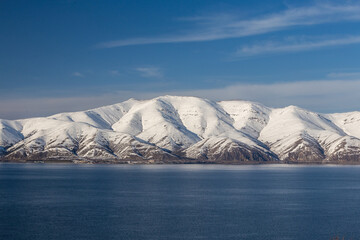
175, 129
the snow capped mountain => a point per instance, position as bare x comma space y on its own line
184, 129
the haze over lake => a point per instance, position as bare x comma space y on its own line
45, 201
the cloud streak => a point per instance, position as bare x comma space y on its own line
295, 46
150, 72
320, 96
225, 26
78, 74
345, 75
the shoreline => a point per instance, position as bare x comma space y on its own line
117, 162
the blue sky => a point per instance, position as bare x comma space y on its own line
76, 54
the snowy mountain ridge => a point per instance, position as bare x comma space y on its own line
175, 129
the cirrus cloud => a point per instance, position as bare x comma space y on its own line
294, 46
318, 95
150, 72
225, 26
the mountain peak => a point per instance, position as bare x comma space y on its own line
184, 129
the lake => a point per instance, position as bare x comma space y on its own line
65, 201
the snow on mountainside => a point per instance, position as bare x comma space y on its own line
348, 122
294, 133
184, 129
9, 134
249, 117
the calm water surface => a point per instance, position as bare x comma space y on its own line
44, 201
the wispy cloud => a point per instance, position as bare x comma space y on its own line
78, 74
344, 75
321, 96
223, 26
294, 46
115, 73
150, 72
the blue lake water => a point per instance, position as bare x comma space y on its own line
55, 201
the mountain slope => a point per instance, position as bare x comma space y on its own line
295, 134
184, 129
